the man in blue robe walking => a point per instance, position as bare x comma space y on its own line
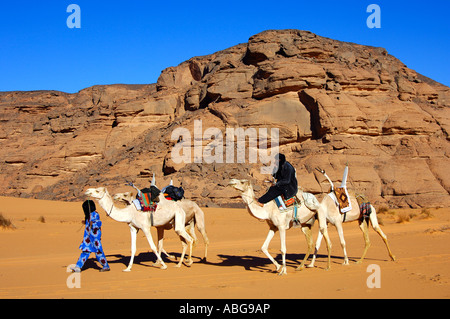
92, 238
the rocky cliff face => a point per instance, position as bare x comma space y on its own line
333, 103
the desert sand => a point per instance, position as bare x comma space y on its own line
35, 255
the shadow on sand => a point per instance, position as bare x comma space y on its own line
249, 263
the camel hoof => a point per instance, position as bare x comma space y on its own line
163, 267
127, 270
393, 258
283, 271
300, 268
310, 266
177, 266
189, 263
359, 262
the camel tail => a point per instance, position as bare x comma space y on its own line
199, 222
199, 217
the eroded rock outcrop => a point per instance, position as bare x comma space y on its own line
332, 102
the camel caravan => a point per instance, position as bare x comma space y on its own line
151, 208
284, 206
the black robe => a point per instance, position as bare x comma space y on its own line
286, 184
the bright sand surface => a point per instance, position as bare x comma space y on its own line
34, 258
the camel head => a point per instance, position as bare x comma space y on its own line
241, 185
96, 192
124, 197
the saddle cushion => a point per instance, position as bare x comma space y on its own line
310, 201
173, 193
137, 204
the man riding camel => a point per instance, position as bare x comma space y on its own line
286, 184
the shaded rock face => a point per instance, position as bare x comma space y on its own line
332, 102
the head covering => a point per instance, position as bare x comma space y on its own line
88, 208
281, 157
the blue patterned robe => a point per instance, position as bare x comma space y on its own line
92, 235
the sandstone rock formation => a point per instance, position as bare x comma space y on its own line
333, 103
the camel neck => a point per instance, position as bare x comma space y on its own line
120, 215
254, 209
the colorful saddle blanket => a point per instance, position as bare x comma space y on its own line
284, 203
147, 203
365, 210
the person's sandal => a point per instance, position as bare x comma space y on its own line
75, 269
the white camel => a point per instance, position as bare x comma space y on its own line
281, 221
165, 213
330, 208
194, 217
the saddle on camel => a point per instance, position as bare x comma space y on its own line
342, 199
147, 198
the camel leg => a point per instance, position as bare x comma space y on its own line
159, 261
205, 240
342, 240
308, 234
189, 239
185, 241
323, 232
377, 228
190, 229
161, 250
328, 242
316, 250
200, 223
184, 245
180, 223
283, 250
265, 247
133, 231
364, 229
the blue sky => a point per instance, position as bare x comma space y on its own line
133, 41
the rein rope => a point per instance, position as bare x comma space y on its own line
249, 196
112, 206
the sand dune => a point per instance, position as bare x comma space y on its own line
34, 259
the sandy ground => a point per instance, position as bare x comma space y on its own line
34, 259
